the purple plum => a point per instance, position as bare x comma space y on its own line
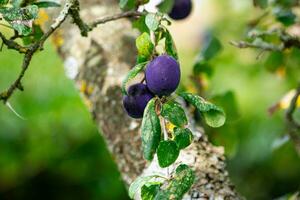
181, 9
163, 75
136, 100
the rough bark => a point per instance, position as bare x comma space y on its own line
103, 59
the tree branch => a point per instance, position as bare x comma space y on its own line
259, 45
127, 14
287, 41
12, 44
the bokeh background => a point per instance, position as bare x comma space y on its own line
56, 152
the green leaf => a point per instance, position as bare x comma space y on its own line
170, 45
261, 3
285, 16
166, 6
149, 192
229, 103
274, 61
137, 184
21, 19
183, 180
36, 35
212, 46
46, 4
183, 137
214, 118
213, 115
167, 153
131, 74
202, 67
144, 45
174, 113
152, 21
127, 4
151, 131
140, 24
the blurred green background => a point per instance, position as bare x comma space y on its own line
57, 152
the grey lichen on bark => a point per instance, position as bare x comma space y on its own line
103, 59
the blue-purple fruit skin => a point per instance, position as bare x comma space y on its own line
136, 100
163, 75
181, 9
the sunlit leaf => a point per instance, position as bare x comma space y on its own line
144, 45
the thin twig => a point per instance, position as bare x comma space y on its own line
263, 46
287, 41
127, 14
12, 44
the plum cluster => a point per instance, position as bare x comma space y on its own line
162, 77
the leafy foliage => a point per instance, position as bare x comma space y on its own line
166, 6
154, 37
169, 45
183, 137
152, 21
182, 181
21, 19
138, 184
167, 153
151, 131
144, 45
131, 74
173, 112
211, 47
213, 115
149, 192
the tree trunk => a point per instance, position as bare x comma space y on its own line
101, 61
